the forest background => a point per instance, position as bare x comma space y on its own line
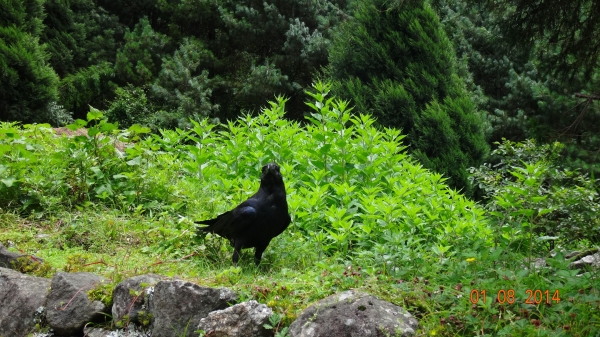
456, 77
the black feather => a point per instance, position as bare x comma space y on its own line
257, 220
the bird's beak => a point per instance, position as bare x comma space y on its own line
271, 169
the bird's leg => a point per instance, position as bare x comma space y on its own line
258, 253
237, 248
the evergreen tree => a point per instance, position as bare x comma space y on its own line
183, 86
82, 40
398, 64
138, 61
62, 35
131, 106
261, 48
78, 35
567, 29
88, 86
28, 86
523, 96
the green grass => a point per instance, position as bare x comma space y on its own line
364, 215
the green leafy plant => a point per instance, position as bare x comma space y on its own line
529, 193
274, 324
102, 292
31, 265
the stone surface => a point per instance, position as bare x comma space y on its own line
244, 319
68, 308
353, 314
178, 306
6, 257
130, 331
22, 298
97, 332
129, 300
589, 261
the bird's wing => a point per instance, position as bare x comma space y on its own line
231, 223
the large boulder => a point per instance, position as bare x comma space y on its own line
22, 300
69, 309
244, 319
353, 314
131, 298
178, 306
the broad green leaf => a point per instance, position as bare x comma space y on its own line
108, 127
94, 114
92, 132
78, 124
8, 182
136, 128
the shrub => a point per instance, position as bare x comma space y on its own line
526, 190
131, 106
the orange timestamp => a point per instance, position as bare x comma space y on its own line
537, 296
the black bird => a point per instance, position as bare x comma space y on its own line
257, 220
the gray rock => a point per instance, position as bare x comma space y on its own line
131, 331
572, 254
96, 332
128, 299
69, 309
538, 263
590, 261
22, 300
178, 306
7, 258
244, 319
353, 314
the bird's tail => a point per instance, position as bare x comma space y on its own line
206, 225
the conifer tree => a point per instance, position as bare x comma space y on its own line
138, 61
80, 39
398, 64
183, 86
526, 87
28, 85
261, 48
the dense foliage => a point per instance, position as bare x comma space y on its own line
522, 84
344, 176
364, 215
527, 184
396, 62
568, 29
529, 74
234, 54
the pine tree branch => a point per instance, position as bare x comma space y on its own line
593, 97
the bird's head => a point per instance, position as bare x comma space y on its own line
271, 175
